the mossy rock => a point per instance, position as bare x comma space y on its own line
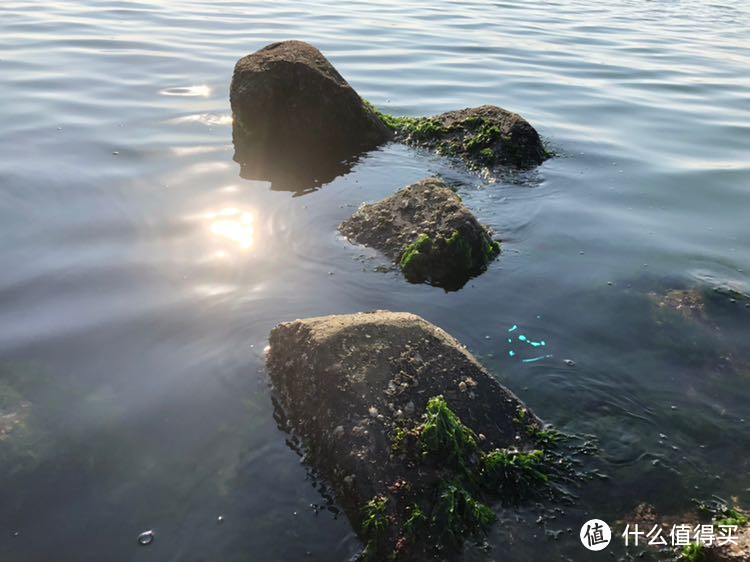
413, 437
485, 136
427, 230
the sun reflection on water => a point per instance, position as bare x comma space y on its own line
235, 225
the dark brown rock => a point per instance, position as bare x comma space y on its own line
292, 109
428, 231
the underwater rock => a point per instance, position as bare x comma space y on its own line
710, 322
689, 303
485, 136
404, 425
295, 118
12, 416
705, 303
428, 231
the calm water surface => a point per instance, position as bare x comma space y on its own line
141, 275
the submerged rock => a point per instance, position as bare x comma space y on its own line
407, 429
428, 231
705, 303
12, 416
295, 118
485, 136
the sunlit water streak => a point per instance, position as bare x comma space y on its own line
141, 275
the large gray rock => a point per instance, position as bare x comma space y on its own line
428, 231
293, 110
354, 388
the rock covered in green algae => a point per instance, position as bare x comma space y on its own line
428, 231
408, 430
295, 115
485, 136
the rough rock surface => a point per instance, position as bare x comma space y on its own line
736, 550
430, 233
348, 383
482, 136
292, 109
739, 552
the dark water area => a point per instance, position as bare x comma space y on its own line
141, 274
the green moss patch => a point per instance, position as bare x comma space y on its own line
417, 129
439, 259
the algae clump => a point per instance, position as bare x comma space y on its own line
454, 255
451, 506
693, 552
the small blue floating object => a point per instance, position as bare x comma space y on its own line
524, 339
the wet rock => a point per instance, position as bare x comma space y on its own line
724, 522
739, 552
297, 122
391, 474
428, 231
485, 136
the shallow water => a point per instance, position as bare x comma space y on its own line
141, 274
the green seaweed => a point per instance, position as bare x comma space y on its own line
444, 436
457, 514
513, 474
491, 250
487, 155
399, 440
542, 437
415, 254
415, 523
694, 552
374, 527
472, 121
451, 506
483, 138
451, 257
417, 128
375, 520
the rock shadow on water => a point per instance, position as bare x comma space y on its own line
300, 170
